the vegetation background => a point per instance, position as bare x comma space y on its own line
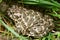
51, 7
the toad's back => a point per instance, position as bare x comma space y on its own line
30, 22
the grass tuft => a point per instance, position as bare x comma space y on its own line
12, 31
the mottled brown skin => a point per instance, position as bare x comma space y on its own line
30, 22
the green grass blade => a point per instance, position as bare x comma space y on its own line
56, 15
43, 38
34, 3
12, 31
44, 3
0, 1
57, 33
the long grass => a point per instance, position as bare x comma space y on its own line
50, 4
0, 1
12, 30
42, 3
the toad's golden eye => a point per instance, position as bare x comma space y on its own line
30, 22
